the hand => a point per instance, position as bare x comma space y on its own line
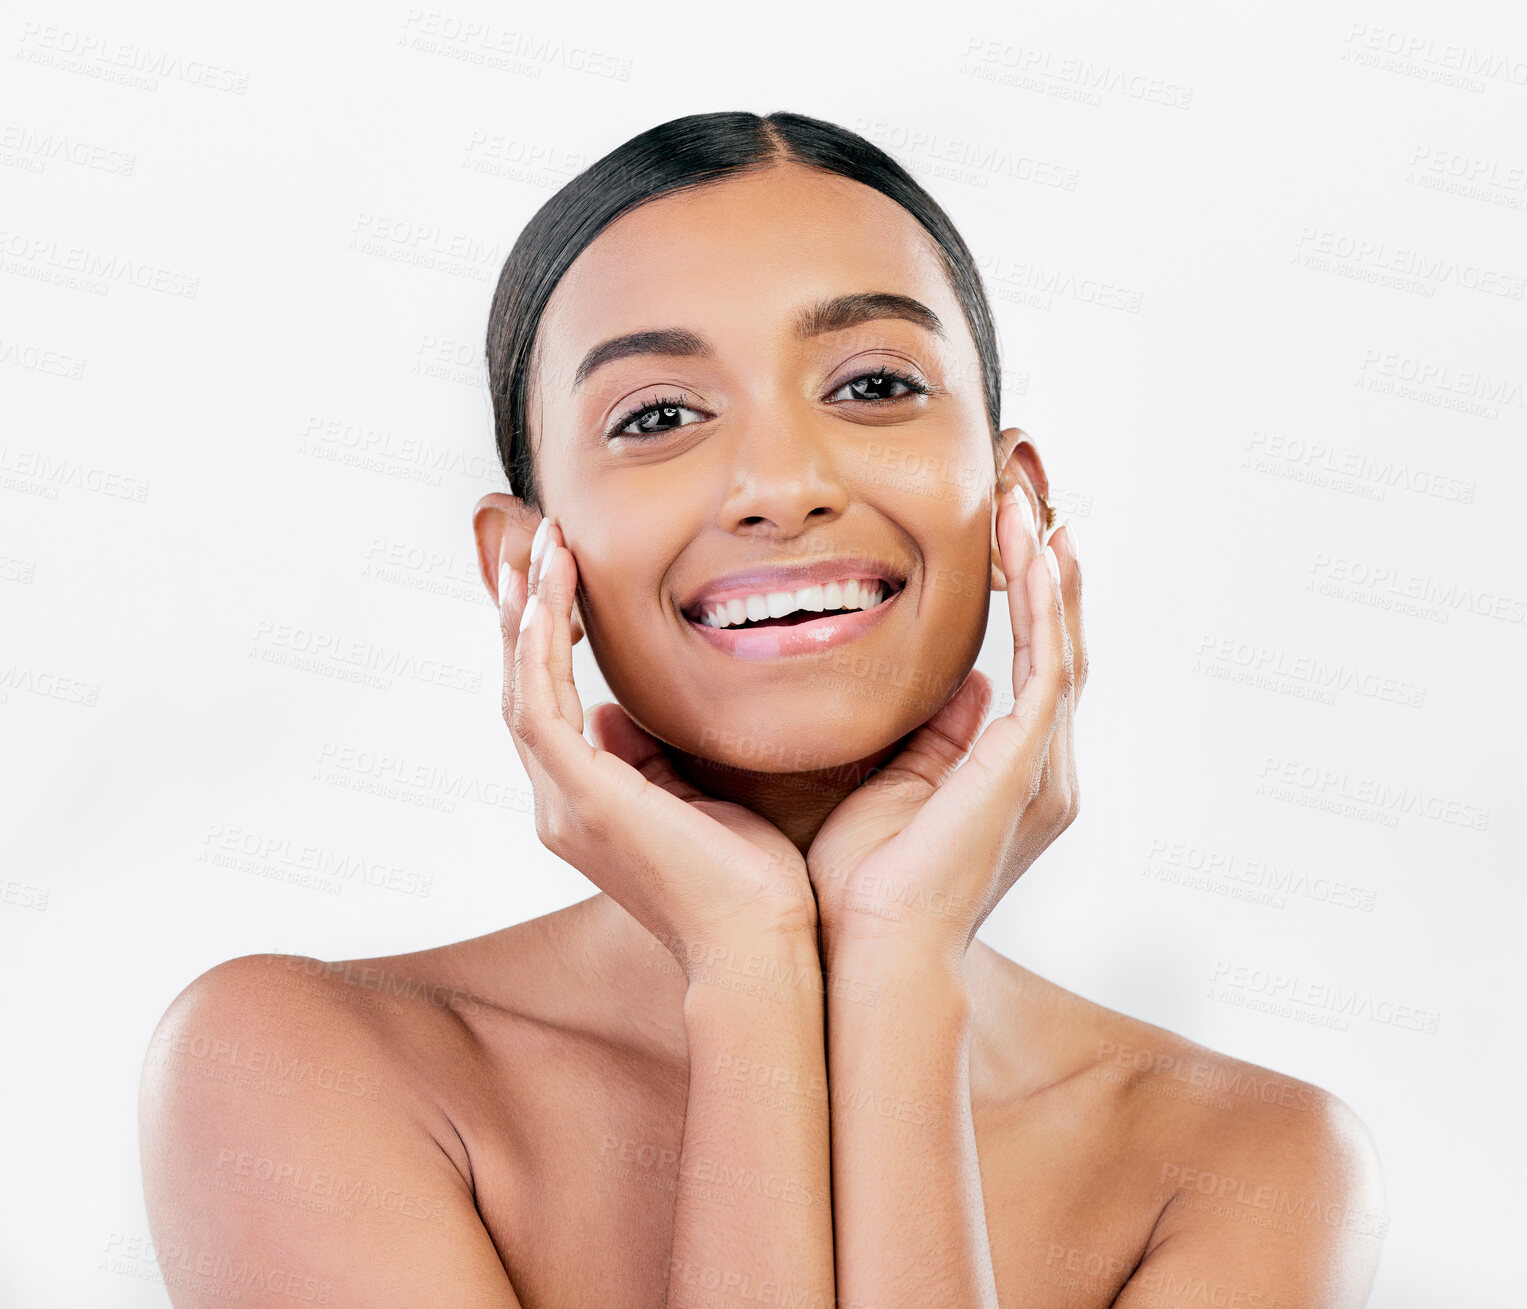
929, 845
690, 868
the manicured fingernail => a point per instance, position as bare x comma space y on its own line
1070, 529
1017, 496
505, 576
530, 609
545, 564
538, 541
1053, 562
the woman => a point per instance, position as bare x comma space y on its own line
746, 389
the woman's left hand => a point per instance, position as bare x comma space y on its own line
923, 851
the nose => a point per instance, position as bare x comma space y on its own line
784, 476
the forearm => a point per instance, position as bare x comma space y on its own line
753, 1223
911, 1221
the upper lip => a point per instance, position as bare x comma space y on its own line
763, 579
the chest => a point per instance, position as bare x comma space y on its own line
578, 1171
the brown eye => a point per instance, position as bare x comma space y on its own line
655, 419
882, 386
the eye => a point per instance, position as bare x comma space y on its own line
653, 419
872, 387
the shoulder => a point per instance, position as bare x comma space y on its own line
1200, 1131
286, 1138
1246, 1170
1217, 1123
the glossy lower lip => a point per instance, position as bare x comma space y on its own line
756, 643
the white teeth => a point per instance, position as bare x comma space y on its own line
852, 594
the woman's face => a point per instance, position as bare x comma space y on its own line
760, 441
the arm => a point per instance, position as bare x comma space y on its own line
283, 1160
754, 1213
709, 880
906, 869
911, 1221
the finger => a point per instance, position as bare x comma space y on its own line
1064, 544
536, 711
513, 591
613, 730
1018, 542
936, 748
556, 585
1013, 748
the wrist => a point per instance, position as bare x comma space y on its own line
771, 967
930, 968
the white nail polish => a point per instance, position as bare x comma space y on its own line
505, 576
538, 541
545, 564
1054, 563
530, 609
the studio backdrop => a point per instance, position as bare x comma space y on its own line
1259, 281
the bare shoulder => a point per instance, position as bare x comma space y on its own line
289, 1148
1258, 1183
1232, 1129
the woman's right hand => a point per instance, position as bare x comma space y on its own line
695, 871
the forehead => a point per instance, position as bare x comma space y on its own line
746, 252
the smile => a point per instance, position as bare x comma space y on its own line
777, 624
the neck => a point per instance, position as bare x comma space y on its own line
796, 803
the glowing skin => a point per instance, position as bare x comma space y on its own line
771, 461
628, 1101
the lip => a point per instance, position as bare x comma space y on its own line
758, 643
750, 581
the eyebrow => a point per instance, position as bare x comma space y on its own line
832, 315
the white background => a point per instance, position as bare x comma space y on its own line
1257, 329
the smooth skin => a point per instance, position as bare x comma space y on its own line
769, 1063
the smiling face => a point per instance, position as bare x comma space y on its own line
758, 387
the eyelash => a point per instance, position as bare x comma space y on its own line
913, 385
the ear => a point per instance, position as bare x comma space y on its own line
1018, 465
505, 526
